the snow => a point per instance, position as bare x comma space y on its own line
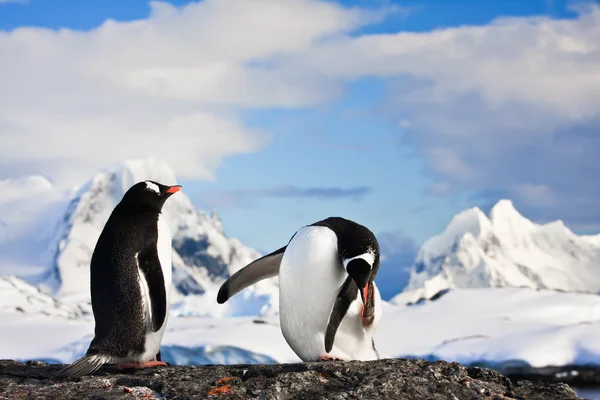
500, 326
505, 250
494, 327
472, 221
17, 296
509, 224
67, 332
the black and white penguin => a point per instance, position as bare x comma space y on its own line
329, 305
130, 280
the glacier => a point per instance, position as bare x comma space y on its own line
503, 250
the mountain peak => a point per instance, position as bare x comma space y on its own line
505, 250
216, 218
136, 170
508, 222
504, 209
472, 220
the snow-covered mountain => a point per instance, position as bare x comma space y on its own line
47, 237
18, 296
503, 250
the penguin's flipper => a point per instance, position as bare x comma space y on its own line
345, 297
84, 366
149, 265
263, 268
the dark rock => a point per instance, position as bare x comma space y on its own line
435, 297
439, 294
194, 252
583, 376
383, 379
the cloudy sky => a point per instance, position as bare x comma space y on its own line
280, 113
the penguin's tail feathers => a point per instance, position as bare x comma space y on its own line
84, 366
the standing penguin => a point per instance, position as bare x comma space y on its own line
130, 279
329, 305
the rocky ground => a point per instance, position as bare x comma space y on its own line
383, 379
574, 375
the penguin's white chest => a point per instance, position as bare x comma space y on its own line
164, 249
311, 275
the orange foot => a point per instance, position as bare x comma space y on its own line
329, 358
143, 364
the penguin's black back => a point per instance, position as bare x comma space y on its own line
115, 289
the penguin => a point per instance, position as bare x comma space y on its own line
329, 304
130, 282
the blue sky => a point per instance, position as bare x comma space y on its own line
397, 141
424, 15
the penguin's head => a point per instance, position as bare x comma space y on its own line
149, 194
362, 269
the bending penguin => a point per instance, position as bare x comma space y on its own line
130, 279
329, 305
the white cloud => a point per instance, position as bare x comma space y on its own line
550, 63
168, 86
507, 109
511, 108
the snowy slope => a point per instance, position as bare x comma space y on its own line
496, 327
48, 237
18, 296
504, 250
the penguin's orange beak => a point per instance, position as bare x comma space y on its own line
365, 293
368, 310
174, 189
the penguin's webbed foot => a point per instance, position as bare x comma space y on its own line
330, 358
150, 364
143, 364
